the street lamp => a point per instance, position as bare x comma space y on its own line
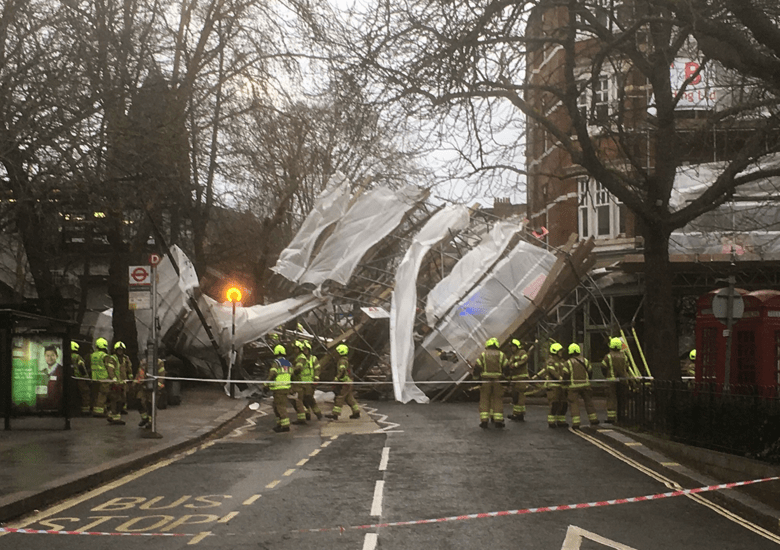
233, 295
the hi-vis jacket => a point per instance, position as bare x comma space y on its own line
518, 366
343, 373
281, 374
577, 371
552, 372
491, 364
616, 364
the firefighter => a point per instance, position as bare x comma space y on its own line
97, 364
553, 374
490, 369
518, 374
299, 363
689, 366
80, 371
115, 390
124, 369
311, 374
577, 371
144, 390
617, 372
344, 375
280, 375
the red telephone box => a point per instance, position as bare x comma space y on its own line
755, 343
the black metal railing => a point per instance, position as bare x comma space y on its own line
743, 421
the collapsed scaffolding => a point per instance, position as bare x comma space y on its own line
413, 288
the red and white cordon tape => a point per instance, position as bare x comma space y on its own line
483, 515
562, 508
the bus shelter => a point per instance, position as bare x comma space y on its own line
35, 366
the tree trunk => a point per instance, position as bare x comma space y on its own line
123, 318
660, 343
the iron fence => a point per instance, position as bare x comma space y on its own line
743, 421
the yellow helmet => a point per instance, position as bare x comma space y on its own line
517, 343
120, 345
300, 344
492, 342
74, 346
279, 350
101, 343
342, 349
574, 349
615, 343
555, 348
692, 355
308, 344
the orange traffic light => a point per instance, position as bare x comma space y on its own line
233, 294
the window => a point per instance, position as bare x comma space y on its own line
594, 103
746, 357
600, 215
709, 353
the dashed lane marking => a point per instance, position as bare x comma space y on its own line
251, 500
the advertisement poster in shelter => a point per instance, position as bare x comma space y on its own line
38, 373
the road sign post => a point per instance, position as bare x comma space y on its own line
729, 306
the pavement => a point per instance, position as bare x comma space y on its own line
42, 463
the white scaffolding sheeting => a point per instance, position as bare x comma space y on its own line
373, 216
498, 301
175, 312
749, 223
404, 301
330, 206
469, 269
173, 292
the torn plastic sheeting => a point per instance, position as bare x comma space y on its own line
330, 206
370, 219
172, 299
469, 269
404, 302
251, 322
484, 313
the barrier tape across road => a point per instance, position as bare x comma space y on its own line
482, 515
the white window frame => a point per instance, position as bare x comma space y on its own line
598, 211
605, 98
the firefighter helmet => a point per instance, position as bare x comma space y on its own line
517, 343
101, 343
574, 349
74, 346
616, 343
342, 349
492, 342
555, 348
279, 350
692, 355
120, 345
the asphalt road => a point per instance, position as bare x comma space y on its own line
322, 486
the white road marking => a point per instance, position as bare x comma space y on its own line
251, 500
369, 543
376, 503
575, 535
676, 486
385, 457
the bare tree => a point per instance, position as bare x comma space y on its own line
472, 62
